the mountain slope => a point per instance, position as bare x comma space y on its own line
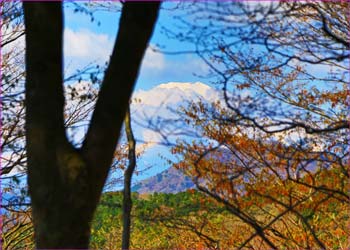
173, 180
169, 181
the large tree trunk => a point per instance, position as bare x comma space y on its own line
65, 183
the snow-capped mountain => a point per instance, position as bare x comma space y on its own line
176, 92
156, 105
161, 101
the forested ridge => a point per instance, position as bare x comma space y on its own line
191, 220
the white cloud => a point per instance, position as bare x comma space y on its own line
295, 135
85, 44
7, 34
255, 4
8, 159
153, 60
141, 147
151, 138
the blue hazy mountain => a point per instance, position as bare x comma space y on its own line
170, 180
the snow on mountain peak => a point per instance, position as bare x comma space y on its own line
183, 85
158, 105
175, 92
161, 101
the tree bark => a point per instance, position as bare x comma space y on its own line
127, 201
65, 183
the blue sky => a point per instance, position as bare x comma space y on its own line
86, 42
157, 68
91, 42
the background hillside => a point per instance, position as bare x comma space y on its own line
169, 181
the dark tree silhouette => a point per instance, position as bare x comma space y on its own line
65, 182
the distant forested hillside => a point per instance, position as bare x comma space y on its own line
191, 220
168, 221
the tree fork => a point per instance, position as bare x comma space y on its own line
65, 183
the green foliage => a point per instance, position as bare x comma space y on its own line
193, 220
151, 217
